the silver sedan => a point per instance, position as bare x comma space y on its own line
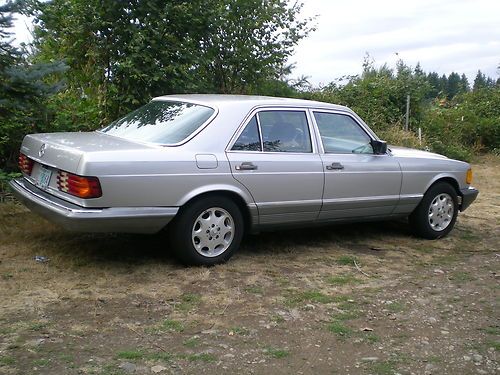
208, 168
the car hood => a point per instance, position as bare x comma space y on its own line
405, 152
65, 150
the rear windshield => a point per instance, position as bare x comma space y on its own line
161, 122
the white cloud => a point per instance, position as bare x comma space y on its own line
445, 36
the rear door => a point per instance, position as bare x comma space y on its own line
358, 183
274, 155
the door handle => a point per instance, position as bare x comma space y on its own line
335, 166
246, 166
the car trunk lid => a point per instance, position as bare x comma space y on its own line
65, 150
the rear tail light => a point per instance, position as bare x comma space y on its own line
25, 164
79, 186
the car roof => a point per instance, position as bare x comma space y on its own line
255, 100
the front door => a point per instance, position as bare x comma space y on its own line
358, 183
274, 157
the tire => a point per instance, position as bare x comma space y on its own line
207, 232
436, 214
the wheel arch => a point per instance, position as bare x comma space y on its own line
451, 180
248, 209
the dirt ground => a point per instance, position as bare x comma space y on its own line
351, 299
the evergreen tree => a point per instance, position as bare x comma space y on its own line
453, 85
480, 81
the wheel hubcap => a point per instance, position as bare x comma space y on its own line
441, 212
213, 232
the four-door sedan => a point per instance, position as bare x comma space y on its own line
210, 167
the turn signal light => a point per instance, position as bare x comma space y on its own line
468, 177
25, 164
79, 186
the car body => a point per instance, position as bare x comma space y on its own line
276, 161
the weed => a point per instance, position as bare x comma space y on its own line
242, 331
276, 353
203, 357
277, 318
347, 260
192, 342
189, 301
340, 329
396, 307
492, 330
254, 289
372, 337
172, 325
37, 326
7, 361
130, 354
42, 362
296, 298
383, 368
343, 280
462, 277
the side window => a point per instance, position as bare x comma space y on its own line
249, 139
285, 131
340, 134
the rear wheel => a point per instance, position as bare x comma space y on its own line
207, 231
436, 214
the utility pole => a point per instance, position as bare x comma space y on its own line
407, 118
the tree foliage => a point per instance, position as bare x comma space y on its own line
24, 86
121, 56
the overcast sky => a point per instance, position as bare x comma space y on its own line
443, 35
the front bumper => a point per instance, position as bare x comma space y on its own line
468, 195
82, 219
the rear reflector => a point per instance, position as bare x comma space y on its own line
79, 186
25, 164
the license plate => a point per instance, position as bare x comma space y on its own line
43, 179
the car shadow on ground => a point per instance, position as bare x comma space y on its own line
137, 249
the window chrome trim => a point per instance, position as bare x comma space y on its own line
190, 136
372, 136
254, 112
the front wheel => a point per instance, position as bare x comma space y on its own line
436, 214
207, 231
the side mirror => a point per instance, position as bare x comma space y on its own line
379, 147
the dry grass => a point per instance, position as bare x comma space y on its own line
296, 293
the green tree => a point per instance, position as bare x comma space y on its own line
24, 87
121, 56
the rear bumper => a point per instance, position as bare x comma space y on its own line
469, 195
81, 219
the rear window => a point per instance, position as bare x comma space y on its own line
161, 122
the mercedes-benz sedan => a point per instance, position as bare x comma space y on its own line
209, 168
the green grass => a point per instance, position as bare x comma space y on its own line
131, 355
383, 368
42, 362
192, 342
172, 326
201, 357
189, 301
276, 352
241, 331
254, 289
277, 318
343, 280
461, 277
396, 307
493, 344
7, 361
347, 260
37, 326
296, 298
160, 356
371, 337
340, 329
492, 330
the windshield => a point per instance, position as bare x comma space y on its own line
161, 122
